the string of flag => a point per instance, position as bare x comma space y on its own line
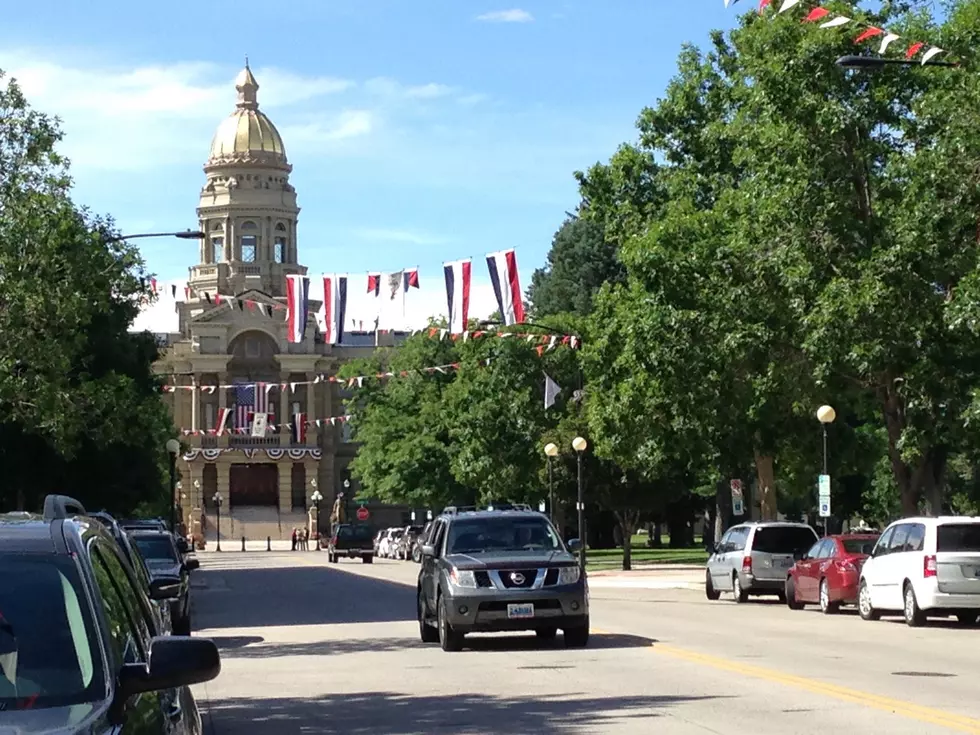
297, 427
828, 19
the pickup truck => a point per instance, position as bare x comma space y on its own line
352, 541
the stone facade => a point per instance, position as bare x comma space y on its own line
232, 331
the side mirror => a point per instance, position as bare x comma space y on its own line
574, 545
164, 588
174, 662
191, 564
428, 550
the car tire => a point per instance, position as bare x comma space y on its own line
546, 634
865, 610
967, 618
791, 595
417, 555
449, 639
577, 637
738, 592
428, 633
709, 589
367, 559
914, 617
827, 607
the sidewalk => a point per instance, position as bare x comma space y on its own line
650, 576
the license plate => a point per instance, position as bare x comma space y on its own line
519, 611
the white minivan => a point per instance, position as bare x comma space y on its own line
924, 567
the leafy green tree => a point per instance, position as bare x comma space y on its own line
80, 411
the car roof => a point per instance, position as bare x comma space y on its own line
470, 514
25, 532
859, 535
149, 533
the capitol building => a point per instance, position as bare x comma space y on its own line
230, 360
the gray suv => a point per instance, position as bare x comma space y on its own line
499, 570
754, 559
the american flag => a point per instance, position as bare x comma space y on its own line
250, 398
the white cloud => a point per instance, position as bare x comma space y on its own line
515, 15
393, 89
421, 304
399, 236
348, 124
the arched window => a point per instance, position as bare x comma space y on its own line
279, 251
217, 249
249, 241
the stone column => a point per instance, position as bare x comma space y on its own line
311, 415
195, 402
229, 238
284, 417
285, 467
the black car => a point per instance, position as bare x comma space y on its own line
499, 570
79, 651
167, 564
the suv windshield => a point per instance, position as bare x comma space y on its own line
958, 537
783, 539
49, 653
155, 548
501, 534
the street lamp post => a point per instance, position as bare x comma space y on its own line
826, 415
316, 497
173, 447
579, 445
551, 451
217, 505
188, 235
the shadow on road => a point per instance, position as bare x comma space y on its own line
313, 595
391, 713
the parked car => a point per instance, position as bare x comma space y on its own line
829, 572
353, 541
417, 545
144, 524
89, 659
754, 558
924, 567
166, 563
499, 570
403, 549
386, 549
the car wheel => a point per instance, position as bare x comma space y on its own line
577, 637
914, 617
546, 634
737, 590
967, 618
826, 606
791, 595
865, 609
709, 589
417, 555
367, 559
428, 633
449, 639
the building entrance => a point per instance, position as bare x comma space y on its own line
254, 484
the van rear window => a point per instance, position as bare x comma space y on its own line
958, 537
783, 540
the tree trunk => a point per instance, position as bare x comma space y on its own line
658, 539
934, 479
627, 520
909, 486
766, 475
723, 509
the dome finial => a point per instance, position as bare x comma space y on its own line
247, 89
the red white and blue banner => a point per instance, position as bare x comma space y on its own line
506, 286
458, 293
297, 306
334, 308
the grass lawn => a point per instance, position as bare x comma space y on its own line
613, 558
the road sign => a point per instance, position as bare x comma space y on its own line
824, 496
738, 500
363, 513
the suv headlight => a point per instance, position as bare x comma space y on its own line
569, 575
462, 578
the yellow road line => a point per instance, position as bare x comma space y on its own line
909, 710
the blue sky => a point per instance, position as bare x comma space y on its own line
420, 131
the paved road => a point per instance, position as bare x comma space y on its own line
309, 647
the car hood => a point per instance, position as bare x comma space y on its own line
50, 721
510, 559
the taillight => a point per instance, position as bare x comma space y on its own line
929, 567
747, 565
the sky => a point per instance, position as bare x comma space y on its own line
420, 131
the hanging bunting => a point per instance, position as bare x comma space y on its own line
506, 286
458, 293
297, 304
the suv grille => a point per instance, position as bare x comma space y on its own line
518, 578
483, 579
551, 577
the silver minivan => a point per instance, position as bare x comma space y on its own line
754, 558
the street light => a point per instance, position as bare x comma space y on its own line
173, 447
217, 504
873, 63
826, 415
188, 235
580, 445
316, 498
551, 451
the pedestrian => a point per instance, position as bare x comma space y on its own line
294, 539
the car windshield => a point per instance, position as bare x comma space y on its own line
355, 533
958, 537
859, 545
155, 548
502, 534
49, 651
783, 539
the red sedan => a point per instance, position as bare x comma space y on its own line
828, 573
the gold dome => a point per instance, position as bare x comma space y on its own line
247, 134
